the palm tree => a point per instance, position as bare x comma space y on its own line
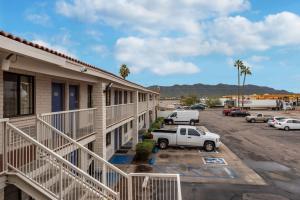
124, 71
239, 65
244, 72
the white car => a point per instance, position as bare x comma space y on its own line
273, 120
288, 124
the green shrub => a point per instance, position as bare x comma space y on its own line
144, 149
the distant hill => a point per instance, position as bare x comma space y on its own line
218, 90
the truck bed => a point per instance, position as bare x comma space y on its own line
165, 131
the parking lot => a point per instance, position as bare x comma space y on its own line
272, 154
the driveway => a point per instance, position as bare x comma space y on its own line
273, 154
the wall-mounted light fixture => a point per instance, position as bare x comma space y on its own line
83, 69
108, 87
6, 62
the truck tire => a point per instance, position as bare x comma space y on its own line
163, 144
286, 128
253, 120
192, 123
209, 146
170, 122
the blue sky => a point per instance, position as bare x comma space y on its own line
169, 42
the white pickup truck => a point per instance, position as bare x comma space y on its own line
186, 136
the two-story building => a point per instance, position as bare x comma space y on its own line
44, 94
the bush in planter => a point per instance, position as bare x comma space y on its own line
144, 149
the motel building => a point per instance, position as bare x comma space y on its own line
62, 120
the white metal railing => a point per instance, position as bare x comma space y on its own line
155, 186
75, 123
82, 157
117, 113
2, 146
49, 171
142, 106
127, 185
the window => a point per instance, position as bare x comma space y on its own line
90, 100
131, 124
150, 97
193, 132
182, 131
289, 121
173, 114
125, 97
90, 146
108, 97
259, 115
120, 97
116, 97
108, 139
18, 95
125, 128
139, 119
131, 97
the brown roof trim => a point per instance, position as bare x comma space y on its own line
29, 43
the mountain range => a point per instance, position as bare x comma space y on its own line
219, 90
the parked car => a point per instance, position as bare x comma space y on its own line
258, 118
227, 111
198, 107
288, 124
273, 120
186, 136
238, 113
183, 116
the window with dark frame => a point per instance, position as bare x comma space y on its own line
125, 97
108, 139
131, 97
193, 132
125, 128
108, 97
120, 97
90, 97
18, 95
131, 124
116, 97
182, 131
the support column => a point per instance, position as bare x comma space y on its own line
100, 118
135, 131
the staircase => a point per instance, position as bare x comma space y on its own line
47, 170
48, 163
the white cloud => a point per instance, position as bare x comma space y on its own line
96, 35
101, 50
140, 15
41, 19
164, 35
144, 54
258, 59
240, 34
55, 47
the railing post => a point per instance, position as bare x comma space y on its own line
178, 188
129, 188
74, 125
5, 143
60, 182
38, 129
